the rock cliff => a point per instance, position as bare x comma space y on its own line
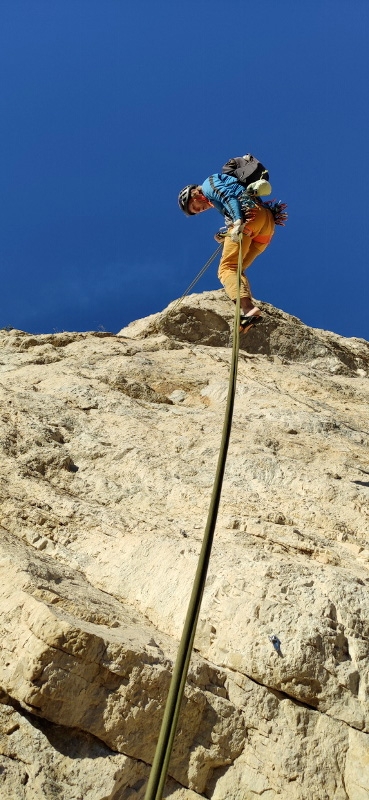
108, 448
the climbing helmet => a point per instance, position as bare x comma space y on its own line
184, 198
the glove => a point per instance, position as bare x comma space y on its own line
235, 230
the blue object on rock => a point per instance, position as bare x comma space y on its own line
275, 642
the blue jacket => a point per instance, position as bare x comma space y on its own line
224, 192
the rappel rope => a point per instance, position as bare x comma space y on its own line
164, 746
198, 276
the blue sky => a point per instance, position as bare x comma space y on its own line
109, 107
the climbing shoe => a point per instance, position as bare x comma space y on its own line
247, 322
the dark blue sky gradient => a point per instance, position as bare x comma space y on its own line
109, 108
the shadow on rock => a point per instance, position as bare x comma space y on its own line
196, 325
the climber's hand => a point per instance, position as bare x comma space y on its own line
235, 230
220, 235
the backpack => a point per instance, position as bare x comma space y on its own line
247, 170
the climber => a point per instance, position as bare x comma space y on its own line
244, 214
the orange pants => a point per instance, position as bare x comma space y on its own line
256, 237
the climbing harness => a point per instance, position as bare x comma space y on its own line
278, 210
250, 204
164, 746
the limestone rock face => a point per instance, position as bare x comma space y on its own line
108, 450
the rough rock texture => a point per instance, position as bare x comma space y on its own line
108, 448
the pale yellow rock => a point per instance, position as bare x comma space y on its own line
289, 746
109, 677
38, 760
108, 449
41, 761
